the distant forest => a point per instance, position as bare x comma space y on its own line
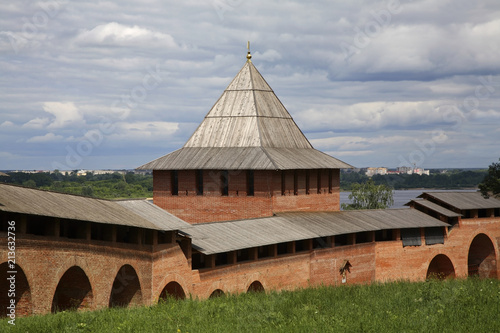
451, 179
106, 186
130, 185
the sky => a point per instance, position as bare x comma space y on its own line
116, 84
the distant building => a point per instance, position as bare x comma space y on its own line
375, 171
414, 170
405, 169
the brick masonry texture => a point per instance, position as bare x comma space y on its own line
57, 273
60, 271
269, 195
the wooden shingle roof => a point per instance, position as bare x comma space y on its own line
247, 128
218, 237
434, 207
463, 200
134, 213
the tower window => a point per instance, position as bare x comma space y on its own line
319, 182
330, 181
295, 183
307, 182
199, 182
283, 187
250, 183
174, 182
224, 183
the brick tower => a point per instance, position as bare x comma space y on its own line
247, 159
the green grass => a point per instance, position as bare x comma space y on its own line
470, 305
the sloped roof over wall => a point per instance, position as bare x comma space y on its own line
463, 200
136, 213
247, 128
218, 237
434, 207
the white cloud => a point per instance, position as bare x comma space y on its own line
36, 123
376, 116
7, 124
66, 114
269, 55
145, 131
49, 137
91, 54
117, 34
490, 114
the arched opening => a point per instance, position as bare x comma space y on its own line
126, 290
19, 291
256, 286
482, 258
73, 292
440, 268
174, 290
217, 293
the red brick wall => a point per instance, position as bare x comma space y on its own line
284, 272
267, 198
325, 264
45, 260
394, 262
24, 305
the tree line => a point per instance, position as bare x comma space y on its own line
106, 186
130, 185
454, 179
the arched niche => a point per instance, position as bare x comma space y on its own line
441, 268
21, 294
217, 293
173, 289
481, 260
126, 289
73, 291
255, 286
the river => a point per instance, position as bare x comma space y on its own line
401, 197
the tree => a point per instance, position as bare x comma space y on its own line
29, 183
88, 191
491, 183
369, 196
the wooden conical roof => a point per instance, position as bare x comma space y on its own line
247, 128
248, 114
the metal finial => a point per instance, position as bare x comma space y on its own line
249, 56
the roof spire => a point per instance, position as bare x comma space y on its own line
249, 56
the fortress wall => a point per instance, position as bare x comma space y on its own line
45, 260
268, 197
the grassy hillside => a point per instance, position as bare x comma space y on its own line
448, 306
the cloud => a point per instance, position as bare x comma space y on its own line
143, 131
66, 114
37, 123
410, 79
49, 137
6, 154
7, 124
375, 116
269, 55
116, 34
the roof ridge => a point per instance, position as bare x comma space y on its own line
257, 114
